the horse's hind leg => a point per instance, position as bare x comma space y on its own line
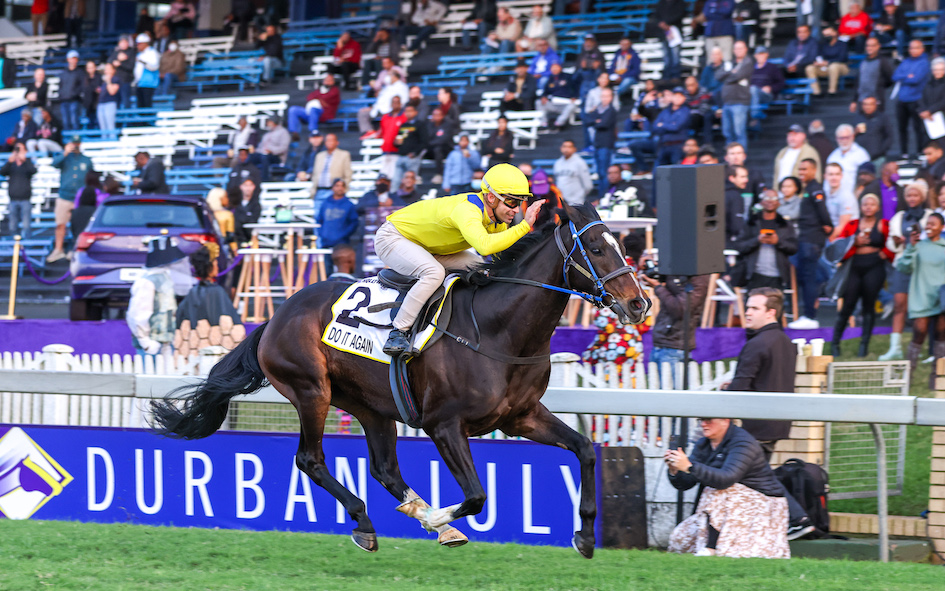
313, 407
381, 437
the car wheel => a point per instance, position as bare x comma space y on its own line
84, 310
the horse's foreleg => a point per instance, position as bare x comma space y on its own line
543, 427
454, 449
381, 435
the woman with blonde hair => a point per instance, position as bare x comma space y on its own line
219, 204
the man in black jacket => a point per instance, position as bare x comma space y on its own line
412, 141
484, 16
813, 227
874, 75
70, 92
738, 201
874, 129
765, 244
520, 91
19, 170
440, 131
151, 180
604, 122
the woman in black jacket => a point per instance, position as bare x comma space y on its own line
498, 146
741, 509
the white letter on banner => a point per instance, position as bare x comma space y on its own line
158, 482
490, 503
304, 497
242, 485
574, 492
201, 483
434, 484
527, 526
92, 453
344, 476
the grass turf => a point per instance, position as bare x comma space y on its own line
80, 556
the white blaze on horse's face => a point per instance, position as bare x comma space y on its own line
613, 242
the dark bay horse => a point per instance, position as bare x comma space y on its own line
461, 393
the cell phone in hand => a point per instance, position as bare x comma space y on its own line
674, 442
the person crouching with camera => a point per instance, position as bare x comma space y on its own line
741, 511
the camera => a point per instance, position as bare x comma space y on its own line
651, 270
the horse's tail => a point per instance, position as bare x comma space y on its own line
205, 404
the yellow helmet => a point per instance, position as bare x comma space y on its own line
505, 179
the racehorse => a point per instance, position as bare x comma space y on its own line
517, 301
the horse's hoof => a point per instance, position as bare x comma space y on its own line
452, 538
365, 540
584, 546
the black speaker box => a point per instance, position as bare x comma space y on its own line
690, 203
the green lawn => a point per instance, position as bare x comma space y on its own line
74, 556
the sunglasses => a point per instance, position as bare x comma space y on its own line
511, 202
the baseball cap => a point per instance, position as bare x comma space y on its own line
314, 133
72, 54
761, 49
339, 179
383, 177
143, 38
679, 89
590, 36
797, 129
889, 2
867, 167
540, 184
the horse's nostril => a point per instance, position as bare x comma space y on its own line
637, 305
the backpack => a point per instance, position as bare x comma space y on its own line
809, 485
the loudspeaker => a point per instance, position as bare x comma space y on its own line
690, 203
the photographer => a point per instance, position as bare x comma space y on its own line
668, 327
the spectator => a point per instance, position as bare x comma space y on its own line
173, 68
332, 163
735, 156
7, 69
540, 68
856, 26
790, 208
508, 30
933, 95
499, 146
873, 76
801, 51
604, 122
746, 15
73, 12
383, 47
559, 98
736, 94
670, 131
865, 176
914, 215
246, 210
939, 201
440, 143
765, 245
151, 179
91, 84
538, 28
911, 75
668, 326
449, 105
39, 15
337, 217
19, 171
180, 18
87, 201
70, 91
719, 28
153, 303
701, 111
273, 147
888, 189
407, 190
347, 59
270, 41
841, 204
651, 104
145, 22
707, 78
767, 80
37, 92
891, 25
592, 101
48, 135
162, 37
874, 130
572, 175
109, 95
788, 161
625, 68
925, 260
423, 23
707, 155
690, 149
243, 136
147, 64
831, 63
303, 171
934, 170
813, 227
482, 19
382, 104
24, 130
379, 196
867, 258
460, 165
208, 303
590, 63
849, 155
742, 510
242, 169
818, 138
520, 91
320, 105
344, 261
811, 14
412, 141
738, 200
415, 97
389, 129
666, 15
123, 58
938, 44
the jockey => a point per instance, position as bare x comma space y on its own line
422, 239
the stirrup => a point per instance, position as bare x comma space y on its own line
397, 342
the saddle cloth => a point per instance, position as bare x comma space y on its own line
361, 318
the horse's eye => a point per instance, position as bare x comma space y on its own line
596, 251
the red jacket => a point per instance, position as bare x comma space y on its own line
853, 226
390, 125
330, 101
859, 25
349, 52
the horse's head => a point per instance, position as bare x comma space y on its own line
594, 264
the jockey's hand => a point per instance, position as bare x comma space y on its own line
531, 214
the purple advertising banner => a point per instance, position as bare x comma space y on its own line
250, 481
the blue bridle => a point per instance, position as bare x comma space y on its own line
602, 299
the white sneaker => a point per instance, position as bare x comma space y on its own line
804, 323
55, 256
928, 360
705, 552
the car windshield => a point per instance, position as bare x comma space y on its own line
162, 214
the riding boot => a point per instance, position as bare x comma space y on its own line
837, 336
913, 352
939, 349
867, 332
396, 343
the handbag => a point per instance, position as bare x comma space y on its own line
837, 283
149, 79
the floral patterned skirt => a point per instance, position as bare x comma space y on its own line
750, 524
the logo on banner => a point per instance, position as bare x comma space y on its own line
29, 477
354, 329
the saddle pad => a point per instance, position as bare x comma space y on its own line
354, 329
